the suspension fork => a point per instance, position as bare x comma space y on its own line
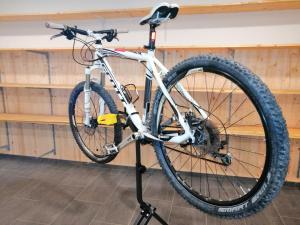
87, 96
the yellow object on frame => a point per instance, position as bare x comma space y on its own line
107, 119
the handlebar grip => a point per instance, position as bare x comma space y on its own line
55, 26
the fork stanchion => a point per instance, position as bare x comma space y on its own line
147, 210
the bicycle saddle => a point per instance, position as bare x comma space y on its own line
160, 13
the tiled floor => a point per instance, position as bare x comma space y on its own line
44, 192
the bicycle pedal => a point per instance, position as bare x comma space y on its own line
111, 149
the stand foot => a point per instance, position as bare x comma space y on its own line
146, 214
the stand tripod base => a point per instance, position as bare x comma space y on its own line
146, 214
147, 210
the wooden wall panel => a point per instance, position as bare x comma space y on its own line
24, 100
278, 67
66, 147
172, 57
294, 167
290, 105
60, 99
24, 67
63, 70
30, 139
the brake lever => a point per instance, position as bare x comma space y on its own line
56, 36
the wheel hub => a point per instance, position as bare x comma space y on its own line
90, 130
207, 136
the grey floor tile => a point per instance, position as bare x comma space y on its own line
23, 166
270, 211
52, 173
47, 191
180, 202
51, 204
41, 192
158, 188
213, 220
77, 213
187, 216
287, 204
129, 180
103, 223
120, 208
81, 175
18, 222
262, 218
97, 193
103, 187
291, 221
14, 209
12, 185
43, 212
267, 216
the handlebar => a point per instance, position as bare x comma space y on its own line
70, 32
55, 26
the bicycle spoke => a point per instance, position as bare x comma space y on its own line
245, 168
239, 149
218, 95
196, 166
214, 109
208, 103
239, 106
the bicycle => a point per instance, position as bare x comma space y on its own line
199, 135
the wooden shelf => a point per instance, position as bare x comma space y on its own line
266, 5
294, 133
52, 86
139, 88
31, 118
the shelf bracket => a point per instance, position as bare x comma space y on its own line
6, 124
47, 153
5, 147
298, 174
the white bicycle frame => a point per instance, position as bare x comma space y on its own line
156, 70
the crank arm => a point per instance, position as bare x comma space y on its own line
112, 149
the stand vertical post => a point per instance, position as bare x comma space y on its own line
147, 211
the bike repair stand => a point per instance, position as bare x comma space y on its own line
147, 210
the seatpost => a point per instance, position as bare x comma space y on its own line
152, 37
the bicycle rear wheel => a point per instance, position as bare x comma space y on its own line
239, 158
92, 139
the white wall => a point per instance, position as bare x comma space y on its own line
54, 6
228, 29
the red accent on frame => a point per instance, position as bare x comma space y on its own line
153, 36
120, 49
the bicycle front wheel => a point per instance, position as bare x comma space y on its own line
92, 139
238, 160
